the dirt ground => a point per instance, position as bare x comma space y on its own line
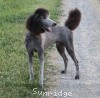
87, 50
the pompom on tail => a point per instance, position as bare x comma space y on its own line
74, 19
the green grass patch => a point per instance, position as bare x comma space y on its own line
14, 75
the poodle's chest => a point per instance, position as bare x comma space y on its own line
44, 41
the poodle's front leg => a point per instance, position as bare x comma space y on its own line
41, 75
30, 54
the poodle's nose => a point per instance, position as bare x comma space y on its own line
54, 24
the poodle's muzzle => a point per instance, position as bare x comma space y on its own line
47, 23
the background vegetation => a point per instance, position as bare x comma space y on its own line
14, 75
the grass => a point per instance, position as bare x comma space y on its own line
14, 75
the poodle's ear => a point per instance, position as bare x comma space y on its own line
32, 22
29, 22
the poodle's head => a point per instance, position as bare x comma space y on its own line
40, 22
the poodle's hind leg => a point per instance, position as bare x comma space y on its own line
61, 50
70, 50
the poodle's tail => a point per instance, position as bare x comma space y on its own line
74, 19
